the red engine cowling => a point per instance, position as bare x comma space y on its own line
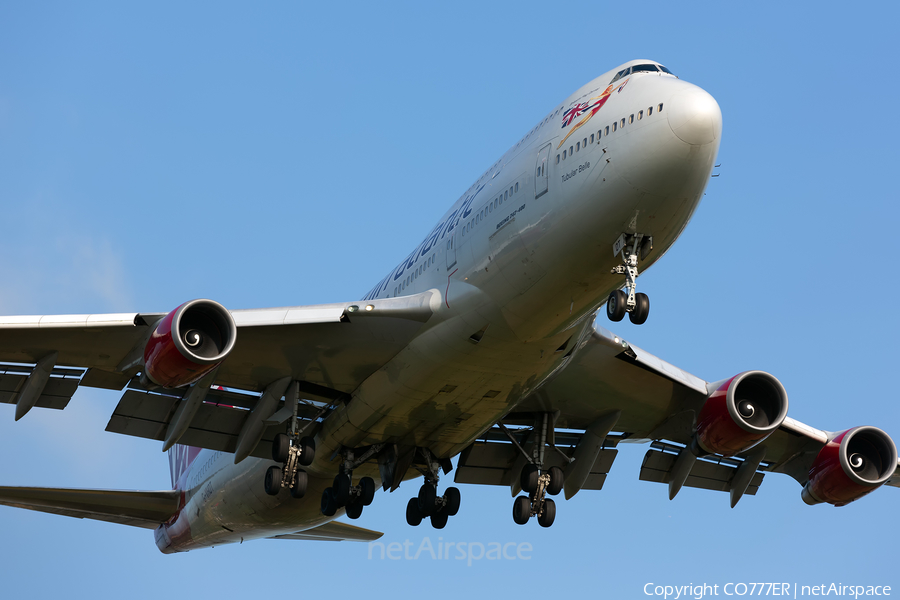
188, 343
743, 411
850, 466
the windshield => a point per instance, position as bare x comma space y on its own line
644, 69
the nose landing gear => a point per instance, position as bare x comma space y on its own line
632, 247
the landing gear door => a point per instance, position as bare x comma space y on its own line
542, 172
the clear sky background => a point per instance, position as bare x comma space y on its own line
294, 153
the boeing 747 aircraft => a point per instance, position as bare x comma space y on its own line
480, 344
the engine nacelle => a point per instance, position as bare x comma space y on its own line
189, 342
850, 466
743, 411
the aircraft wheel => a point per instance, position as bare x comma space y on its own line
413, 516
354, 509
273, 481
557, 479
281, 448
616, 305
549, 513
521, 510
329, 506
298, 490
641, 309
529, 478
307, 450
341, 487
439, 520
427, 496
452, 496
367, 487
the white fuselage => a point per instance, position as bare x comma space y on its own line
521, 262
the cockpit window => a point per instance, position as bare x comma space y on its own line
665, 70
644, 68
620, 75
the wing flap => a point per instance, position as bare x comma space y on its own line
138, 509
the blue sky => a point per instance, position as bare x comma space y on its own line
292, 154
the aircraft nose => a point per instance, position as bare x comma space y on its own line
694, 116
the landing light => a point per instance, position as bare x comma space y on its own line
353, 308
369, 307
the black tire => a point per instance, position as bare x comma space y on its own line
641, 309
548, 515
529, 479
281, 448
329, 506
427, 496
452, 497
354, 509
557, 479
273, 481
367, 489
307, 450
298, 490
521, 510
341, 488
616, 305
439, 520
413, 516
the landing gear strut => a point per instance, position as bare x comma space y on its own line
632, 247
292, 451
427, 504
342, 493
537, 481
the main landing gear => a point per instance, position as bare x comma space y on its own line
293, 452
342, 493
536, 480
637, 305
427, 504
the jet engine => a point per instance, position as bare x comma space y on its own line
850, 466
742, 411
189, 342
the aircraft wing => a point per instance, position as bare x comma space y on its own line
609, 392
330, 349
138, 509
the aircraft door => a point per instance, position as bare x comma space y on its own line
542, 172
451, 248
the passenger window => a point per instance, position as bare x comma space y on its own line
557, 159
505, 195
649, 111
517, 186
564, 155
660, 107
607, 130
570, 150
510, 192
491, 208
623, 123
578, 145
631, 119
592, 138
584, 143
614, 126
640, 115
